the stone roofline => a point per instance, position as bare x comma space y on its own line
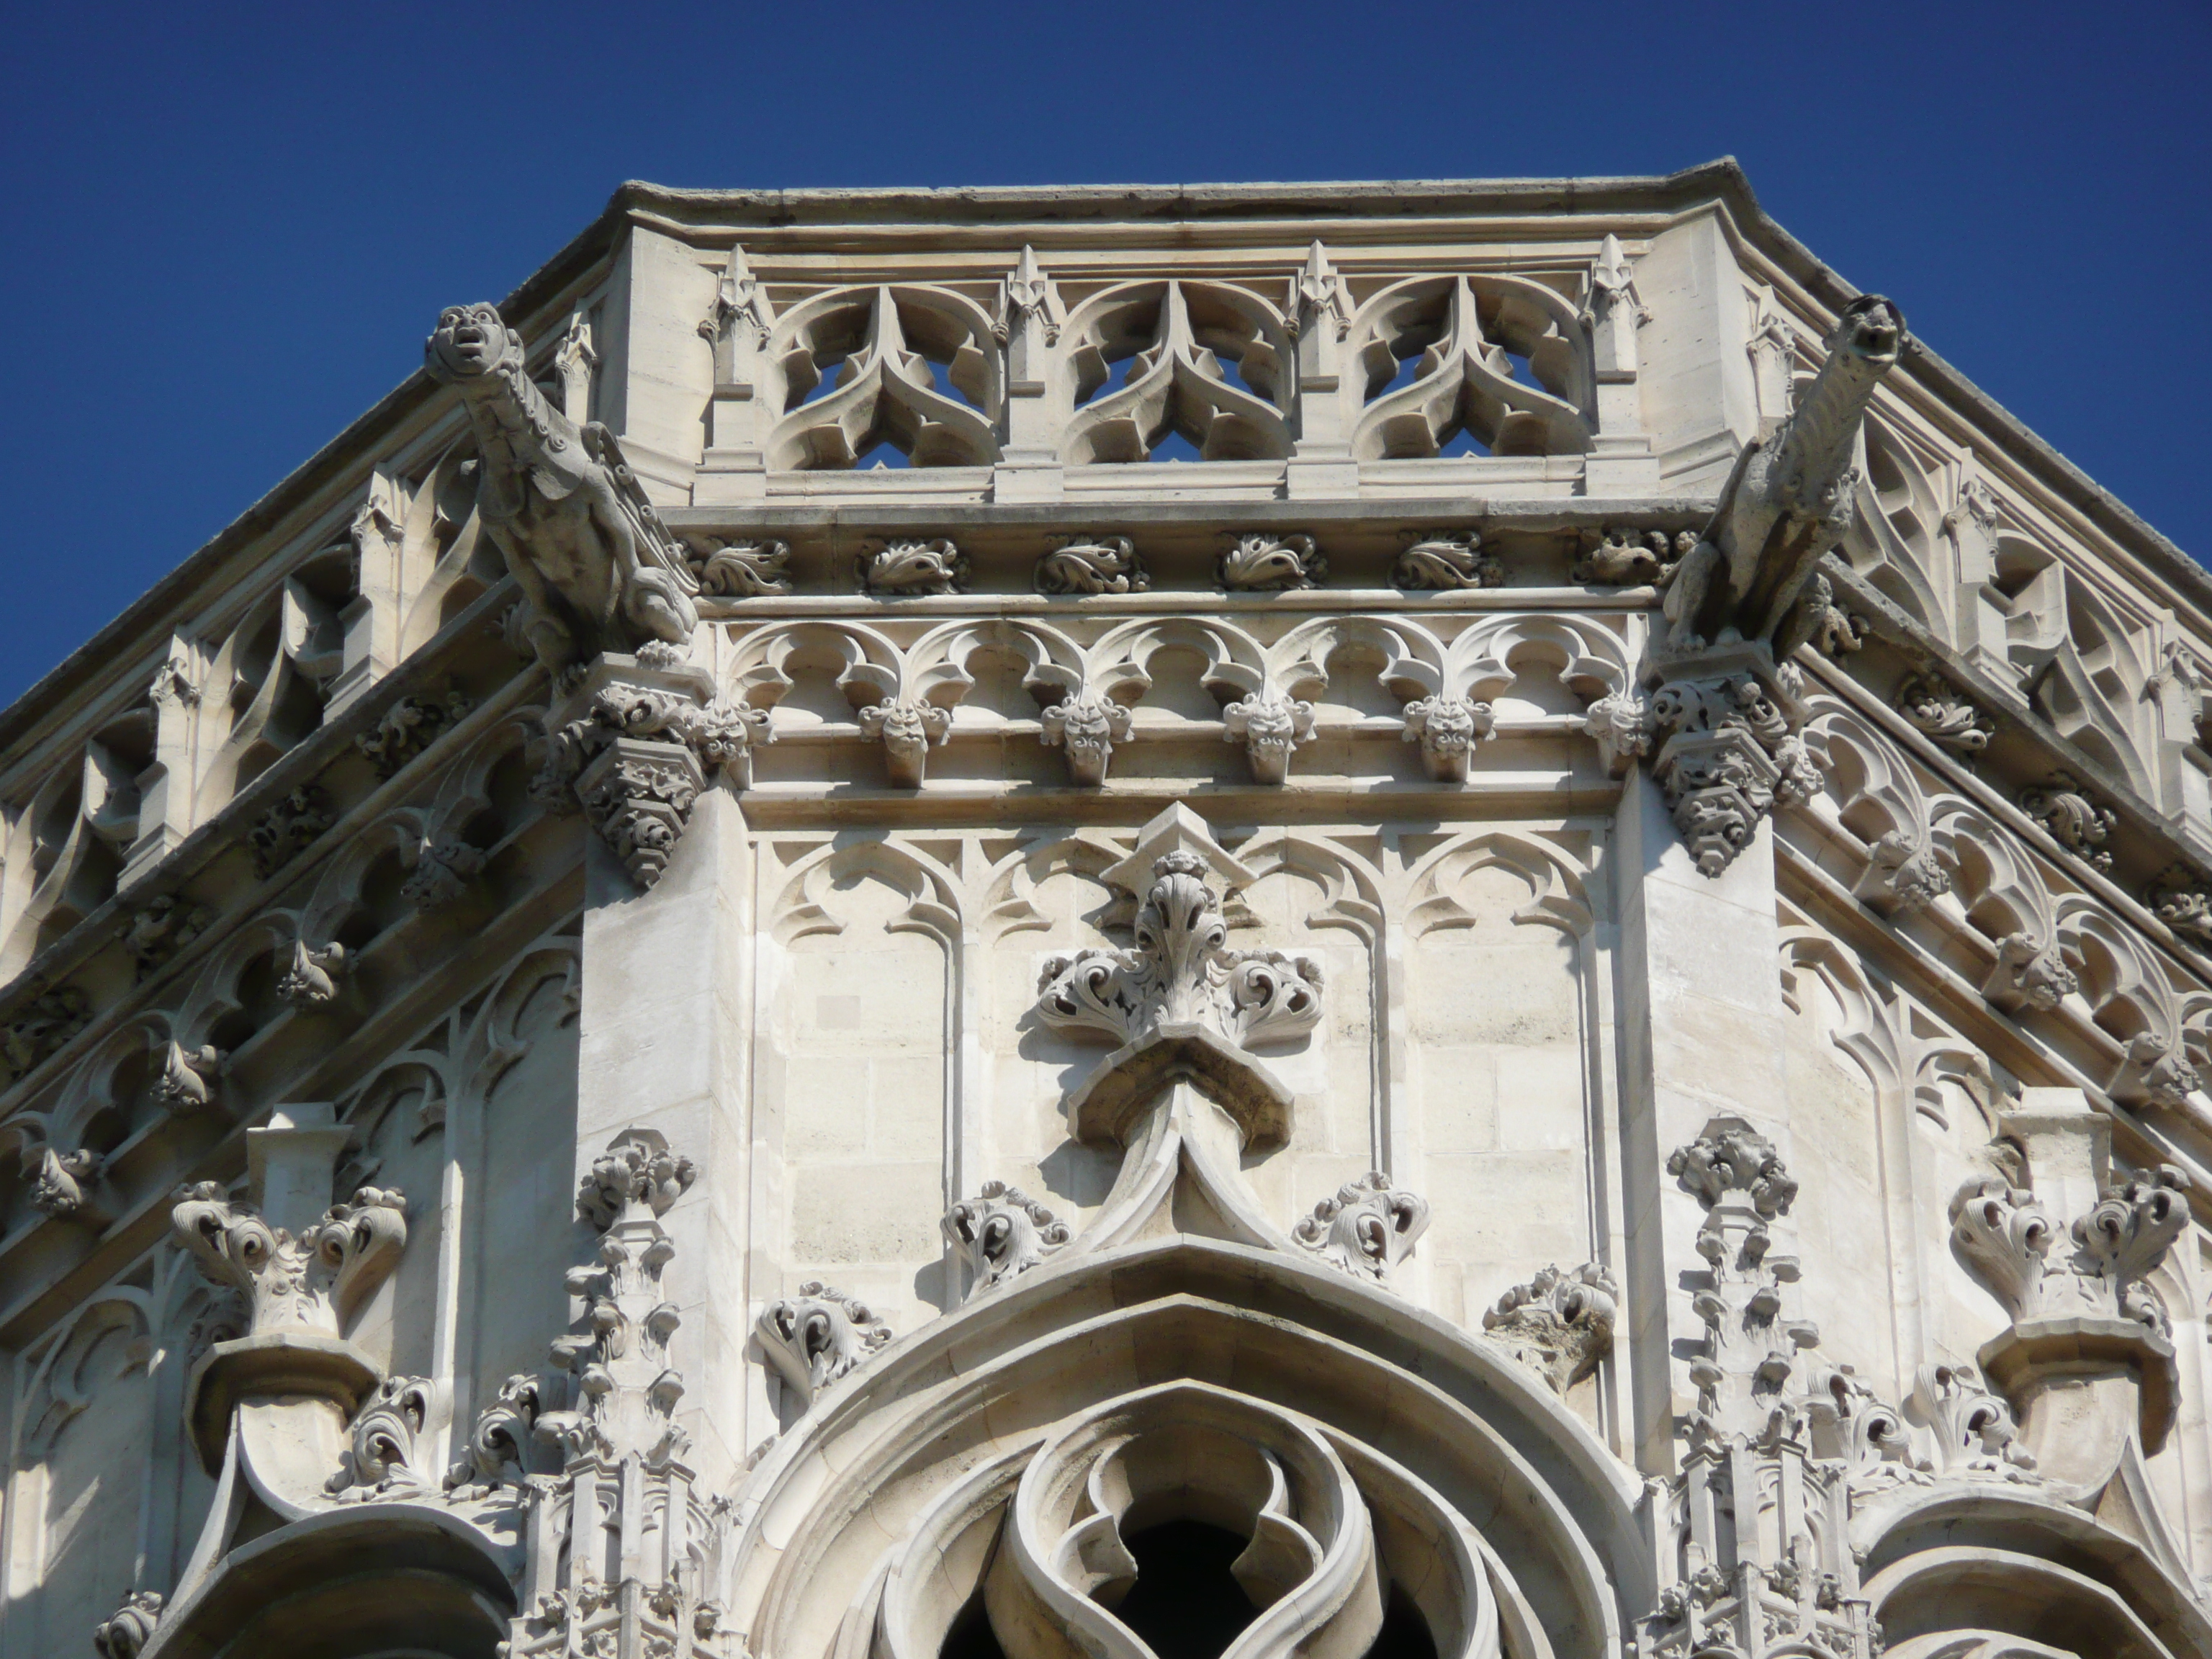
635, 202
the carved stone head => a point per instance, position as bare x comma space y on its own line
470, 343
1872, 329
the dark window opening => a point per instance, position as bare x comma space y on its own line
1186, 1603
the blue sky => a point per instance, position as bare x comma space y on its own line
229, 227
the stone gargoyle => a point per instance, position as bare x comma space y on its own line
600, 570
1754, 574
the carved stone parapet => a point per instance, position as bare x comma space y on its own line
312, 974
1726, 751
1559, 1324
288, 828
2029, 974
1366, 1227
1088, 727
1447, 728
1093, 564
1270, 726
1946, 717
814, 1339
190, 1078
63, 1183
907, 731
410, 726
124, 1633
1001, 1233
1264, 563
743, 570
2075, 822
902, 570
165, 927
1440, 561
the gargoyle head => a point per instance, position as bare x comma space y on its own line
1870, 328
469, 343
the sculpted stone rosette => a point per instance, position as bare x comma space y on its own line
1261, 563
1945, 716
1439, 561
814, 1339
499, 1444
1447, 728
126, 1631
442, 871
42, 1026
1102, 564
1558, 1324
2184, 904
165, 927
907, 731
903, 569
1270, 726
1001, 1233
1366, 1227
744, 570
1089, 727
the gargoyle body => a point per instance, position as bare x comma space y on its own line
600, 571
1752, 575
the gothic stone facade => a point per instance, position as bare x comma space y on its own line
1346, 921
